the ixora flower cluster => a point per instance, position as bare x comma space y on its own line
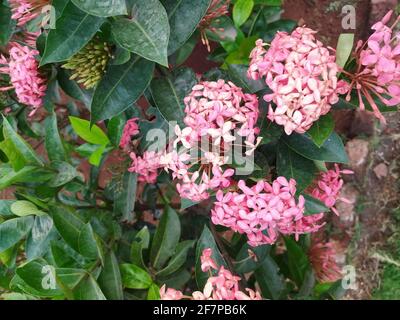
22, 67
26, 10
378, 67
302, 75
221, 286
214, 111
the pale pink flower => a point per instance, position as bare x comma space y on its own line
329, 186
323, 260
207, 263
262, 211
26, 10
170, 294
131, 129
302, 75
377, 73
146, 166
23, 69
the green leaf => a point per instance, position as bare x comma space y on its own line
241, 11
68, 224
134, 277
121, 86
115, 127
153, 293
40, 276
5, 208
65, 173
168, 93
344, 48
22, 208
297, 260
102, 8
245, 263
186, 203
125, 196
27, 174
313, 206
205, 241
146, 33
238, 73
18, 151
140, 243
184, 17
165, 239
54, 146
269, 279
93, 134
74, 29
331, 151
7, 24
87, 244
88, 289
13, 230
178, 259
110, 278
322, 129
292, 165
40, 236
96, 156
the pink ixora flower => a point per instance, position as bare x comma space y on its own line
131, 129
22, 67
26, 10
328, 187
263, 211
214, 111
223, 285
323, 260
377, 72
146, 166
302, 75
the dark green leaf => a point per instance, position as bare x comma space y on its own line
184, 17
87, 244
88, 289
74, 29
13, 230
165, 239
270, 281
238, 73
102, 8
7, 24
178, 259
322, 129
292, 165
38, 241
297, 260
245, 263
54, 146
146, 33
313, 206
125, 196
65, 173
72, 88
331, 151
115, 128
140, 243
110, 278
121, 86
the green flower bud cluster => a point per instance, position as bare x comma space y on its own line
88, 65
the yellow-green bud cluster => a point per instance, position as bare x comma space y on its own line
88, 65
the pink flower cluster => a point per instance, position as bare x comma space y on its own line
213, 111
222, 286
328, 187
263, 211
131, 129
378, 67
146, 166
26, 10
302, 75
323, 259
22, 67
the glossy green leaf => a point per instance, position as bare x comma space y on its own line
332, 149
115, 128
13, 230
121, 86
297, 260
5, 208
292, 165
54, 146
241, 11
269, 279
18, 151
139, 244
22, 208
72, 88
165, 239
102, 8
168, 93
7, 24
245, 263
74, 29
88, 289
27, 174
125, 196
153, 293
313, 206
238, 73
344, 48
322, 129
184, 17
87, 244
110, 280
134, 277
94, 134
40, 236
65, 173
178, 259
146, 32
